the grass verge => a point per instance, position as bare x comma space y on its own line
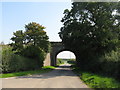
96, 80
43, 70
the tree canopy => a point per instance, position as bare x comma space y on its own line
91, 26
34, 35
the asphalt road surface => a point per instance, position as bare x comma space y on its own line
61, 77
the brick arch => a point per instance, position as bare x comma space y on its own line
56, 48
64, 50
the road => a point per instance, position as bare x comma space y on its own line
61, 77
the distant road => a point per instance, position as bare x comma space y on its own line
61, 77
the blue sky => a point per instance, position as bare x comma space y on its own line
16, 14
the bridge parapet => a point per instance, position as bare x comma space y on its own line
56, 43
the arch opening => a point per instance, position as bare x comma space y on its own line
65, 57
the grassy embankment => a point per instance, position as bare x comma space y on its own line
63, 61
60, 61
96, 80
43, 70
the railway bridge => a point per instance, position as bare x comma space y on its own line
56, 48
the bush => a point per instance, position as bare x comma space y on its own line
60, 61
12, 62
107, 64
35, 53
110, 63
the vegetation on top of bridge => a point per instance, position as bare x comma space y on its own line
92, 31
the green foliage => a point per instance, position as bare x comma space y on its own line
97, 80
36, 36
92, 31
90, 28
13, 62
28, 47
60, 61
48, 67
18, 38
35, 53
110, 63
71, 61
33, 35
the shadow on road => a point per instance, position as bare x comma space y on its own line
63, 70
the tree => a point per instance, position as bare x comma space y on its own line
18, 39
32, 43
34, 35
91, 28
2, 43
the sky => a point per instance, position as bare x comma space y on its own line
15, 15
66, 55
